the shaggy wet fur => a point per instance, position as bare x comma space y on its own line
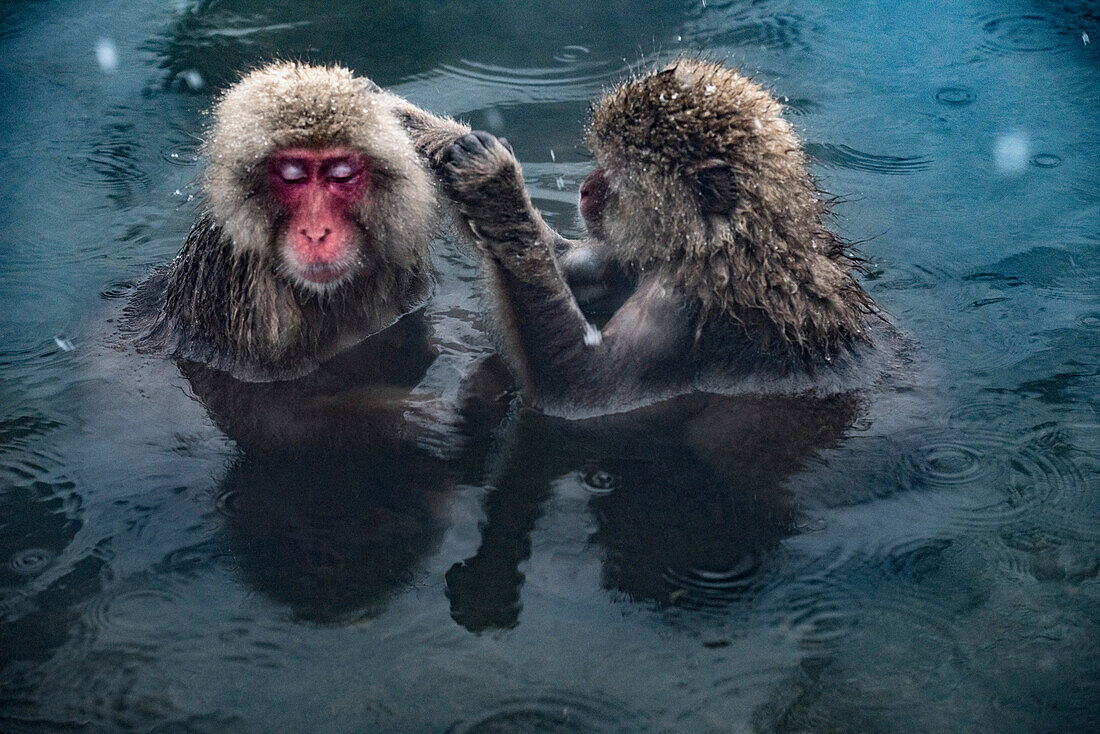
702, 202
224, 301
768, 263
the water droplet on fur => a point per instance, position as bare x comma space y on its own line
592, 336
709, 89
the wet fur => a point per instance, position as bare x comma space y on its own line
225, 300
768, 263
712, 214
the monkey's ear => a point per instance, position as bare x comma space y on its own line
717, 186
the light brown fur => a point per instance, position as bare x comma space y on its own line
227, 299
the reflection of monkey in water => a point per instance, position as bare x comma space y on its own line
334, 540
315, 236
690, 497
702, 199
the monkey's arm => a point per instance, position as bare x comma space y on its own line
564, 362
431, 134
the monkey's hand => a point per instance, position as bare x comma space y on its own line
483, 179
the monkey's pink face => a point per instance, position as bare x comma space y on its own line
594, 192
320, 192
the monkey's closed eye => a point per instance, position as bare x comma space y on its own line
341, 172
291, 171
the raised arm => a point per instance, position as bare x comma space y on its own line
565, 363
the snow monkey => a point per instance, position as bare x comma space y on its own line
701, 197
315, 234
297, 306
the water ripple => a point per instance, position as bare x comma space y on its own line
132, 613
902, 277
111, 162
842, 156
30, 561
600, 481
714, 588
452, 87
954, 96
588, 78
982, 478
1024, 33
553, 711
1067, 273
182, 153
818, 610
572, 54
777, 32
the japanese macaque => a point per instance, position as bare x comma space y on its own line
319, 214
701, 198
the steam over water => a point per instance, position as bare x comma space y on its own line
924, 557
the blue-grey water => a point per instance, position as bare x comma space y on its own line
924, 558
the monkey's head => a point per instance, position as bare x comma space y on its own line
699, 174
309, 166
679, 147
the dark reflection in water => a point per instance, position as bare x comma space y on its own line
688, 497
338, 492
332, 539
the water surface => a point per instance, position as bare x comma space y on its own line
925, 558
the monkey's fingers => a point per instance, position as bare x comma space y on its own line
473, 165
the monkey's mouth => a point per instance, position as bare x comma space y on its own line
324, 273
593, 199
593, 193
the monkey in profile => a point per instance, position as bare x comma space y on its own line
313, 244
702, 200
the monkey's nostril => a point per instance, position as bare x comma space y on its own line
317, 236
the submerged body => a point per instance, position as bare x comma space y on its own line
701, 203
